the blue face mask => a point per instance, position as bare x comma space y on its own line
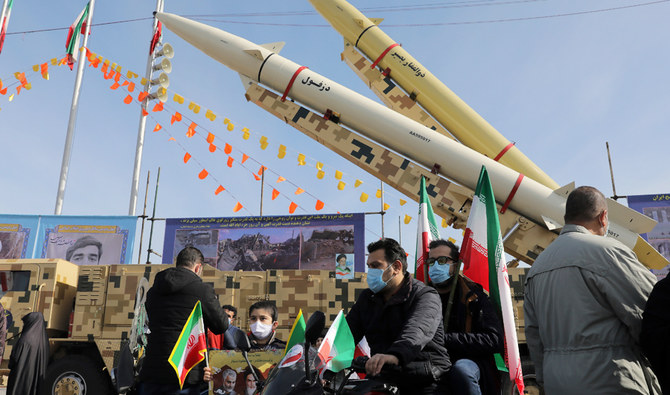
439, 273
375, 282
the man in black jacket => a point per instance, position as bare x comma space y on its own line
655, 334
401, 318
169, 304
473, 329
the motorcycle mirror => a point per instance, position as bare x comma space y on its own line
242, 340
314, 326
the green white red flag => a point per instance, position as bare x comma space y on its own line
191, 345
427, 231
5, 21
482, 236
337, 349
75, 32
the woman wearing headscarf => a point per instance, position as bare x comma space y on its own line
29, 358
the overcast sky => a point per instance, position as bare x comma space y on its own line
560, 78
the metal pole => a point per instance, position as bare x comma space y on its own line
143, 121
382, 210
609, 159
153, 217
69, 138
399, 232
144, 216
262, 182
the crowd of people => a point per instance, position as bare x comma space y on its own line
596, 320
586, 325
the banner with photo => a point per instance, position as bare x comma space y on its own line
323, 242
232, 375
86, 240
658, 208
17, 236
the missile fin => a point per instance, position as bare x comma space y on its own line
275, 47
565, 190
551, 224
629, 218
246, 81
376, 21
255, 53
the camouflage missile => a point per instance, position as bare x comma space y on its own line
409, 138
435, 97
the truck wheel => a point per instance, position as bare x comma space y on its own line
74, 375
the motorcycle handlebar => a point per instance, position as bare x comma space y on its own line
358, 366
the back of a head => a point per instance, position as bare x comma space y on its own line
584, 204
392, 251
189, 256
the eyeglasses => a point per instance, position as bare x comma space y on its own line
442, 260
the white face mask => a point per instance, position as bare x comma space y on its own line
261, 330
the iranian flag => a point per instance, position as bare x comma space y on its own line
6, 12
337, 349
427, 232
490, 270
74, 35
191, 346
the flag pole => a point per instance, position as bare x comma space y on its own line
452, 292
2, 14
69, 138
143, 123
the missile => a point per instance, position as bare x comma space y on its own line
435, 97
409, 138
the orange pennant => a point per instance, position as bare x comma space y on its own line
280, 179
275, 193
131, 87
299, 191
187, 156
128, 99
262, 170
292, 207
212, 148
210, 138
158, 107
191, 130
114, 86
144, 112
244, 157
172, 139
175, 118
230, 161
227, 149
203, 174
142, 95
257, 178
117, 76
158, 127
238, 207
219, 190
319, 205
126, 82
44, 70
109, 75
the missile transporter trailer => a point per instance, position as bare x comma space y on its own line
92, 312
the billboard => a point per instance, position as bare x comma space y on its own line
78, 239
265, 243
17, 236
658, 208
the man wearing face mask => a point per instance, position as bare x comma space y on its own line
583, 306
401, 318
473, 330
169, 304
263, 323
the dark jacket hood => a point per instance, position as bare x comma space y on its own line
173, 280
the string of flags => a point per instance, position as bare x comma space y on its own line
112, 71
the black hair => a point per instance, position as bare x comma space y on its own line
266, 305
230, 308
392, 251
584, 204
441, 242
340, 257
81, 243
189, 257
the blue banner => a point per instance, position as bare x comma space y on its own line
86, 240
17, 236
274, 242
658, 208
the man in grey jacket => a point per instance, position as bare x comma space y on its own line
583, 307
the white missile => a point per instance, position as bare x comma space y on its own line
399, 133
